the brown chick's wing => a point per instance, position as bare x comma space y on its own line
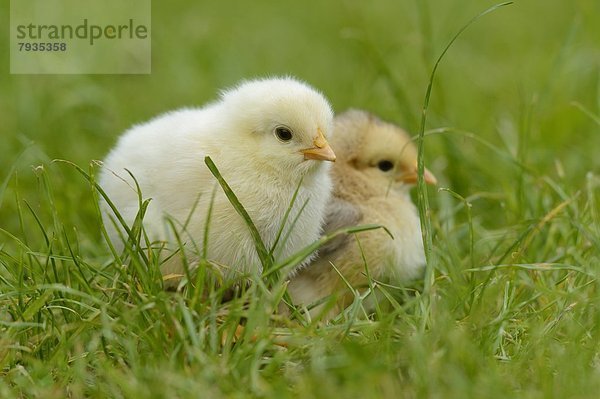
339, 214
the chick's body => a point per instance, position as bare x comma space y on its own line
265, 136
375, 169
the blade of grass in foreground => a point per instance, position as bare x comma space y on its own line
129, 233
263, 254
305, 252
422, 198
285, 218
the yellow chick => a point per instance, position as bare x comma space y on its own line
375, 169
265, 136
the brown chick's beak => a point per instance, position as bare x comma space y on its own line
412, 177
321, 151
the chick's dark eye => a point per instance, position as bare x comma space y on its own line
283, 133
385, 165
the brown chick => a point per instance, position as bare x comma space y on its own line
375, 169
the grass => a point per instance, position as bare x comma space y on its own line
512, 307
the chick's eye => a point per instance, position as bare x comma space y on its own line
283, 133
385, 165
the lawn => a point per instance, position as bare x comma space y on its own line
512, 305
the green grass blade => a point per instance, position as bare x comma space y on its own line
422, 198
302, 254
264, 256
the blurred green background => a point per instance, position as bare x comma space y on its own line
515, 128
514, 78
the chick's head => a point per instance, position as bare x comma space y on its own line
281, 123
379, 150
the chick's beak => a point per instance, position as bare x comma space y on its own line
410, 176
321, 150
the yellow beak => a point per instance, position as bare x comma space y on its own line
321, 150
411, 176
